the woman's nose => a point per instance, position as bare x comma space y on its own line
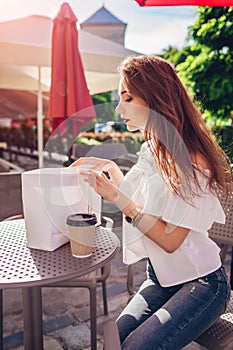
119, 108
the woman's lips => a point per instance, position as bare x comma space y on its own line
125, 120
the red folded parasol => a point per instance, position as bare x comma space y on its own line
185, 2
69, 95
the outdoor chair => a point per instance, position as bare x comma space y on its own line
4, 168
115, 151
220, 335
10, 194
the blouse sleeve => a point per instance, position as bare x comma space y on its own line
197, 214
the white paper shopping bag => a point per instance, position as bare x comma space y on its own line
49, 196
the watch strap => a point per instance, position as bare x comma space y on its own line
131, 216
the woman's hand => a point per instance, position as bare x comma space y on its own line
104, 187
99, 165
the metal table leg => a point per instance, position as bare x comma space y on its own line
32, 316
1, 321
231, 271
92, 290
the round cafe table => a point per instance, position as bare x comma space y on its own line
31, 269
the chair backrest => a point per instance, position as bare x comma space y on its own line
80, 150
107, 222
223, 233
108, 150
4, 168
10, 194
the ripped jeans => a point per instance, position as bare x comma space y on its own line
168, 318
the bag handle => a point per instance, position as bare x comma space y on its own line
89, 203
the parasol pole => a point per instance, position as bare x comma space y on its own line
40, 120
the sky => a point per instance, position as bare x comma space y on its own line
149, 29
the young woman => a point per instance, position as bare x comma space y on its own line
169, 202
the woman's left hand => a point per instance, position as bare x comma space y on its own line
102, 185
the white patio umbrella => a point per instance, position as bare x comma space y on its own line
27, 42
20, 77
25, 59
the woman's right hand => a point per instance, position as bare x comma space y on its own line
101, 164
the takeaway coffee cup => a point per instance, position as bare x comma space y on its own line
81, 228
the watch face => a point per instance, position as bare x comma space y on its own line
128, 219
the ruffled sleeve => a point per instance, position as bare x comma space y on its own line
197, 213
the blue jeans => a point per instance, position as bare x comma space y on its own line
168, 318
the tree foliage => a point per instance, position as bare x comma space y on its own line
214, 28
175, 55
104, 107
208, 66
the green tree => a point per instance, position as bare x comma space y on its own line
176, 56
208, 67
104, 106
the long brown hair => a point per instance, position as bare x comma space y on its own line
176, 132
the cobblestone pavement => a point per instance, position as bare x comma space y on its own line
66, 310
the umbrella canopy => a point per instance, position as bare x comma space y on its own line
185, 2
68, 93
14, 103
25, 60
20, 77
25, 45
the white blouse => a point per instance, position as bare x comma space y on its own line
198, 255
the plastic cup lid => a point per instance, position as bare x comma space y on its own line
81, 219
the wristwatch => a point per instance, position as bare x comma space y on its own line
133, 214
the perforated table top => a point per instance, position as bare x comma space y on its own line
29, 267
